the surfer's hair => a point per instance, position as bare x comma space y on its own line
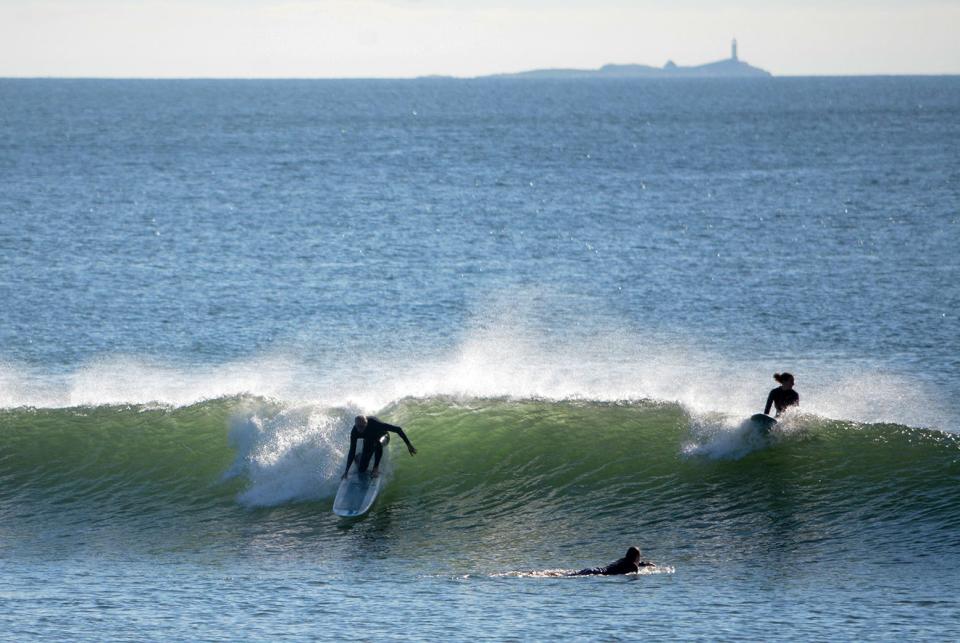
783, 378
633, 554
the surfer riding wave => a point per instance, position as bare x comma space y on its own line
782, 397
370, 429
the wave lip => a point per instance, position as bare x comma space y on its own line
493, 360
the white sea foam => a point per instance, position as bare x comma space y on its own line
497, 360
130, 380
289, 454
723, 438
650, 570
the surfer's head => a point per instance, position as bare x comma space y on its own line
785, 379
633, 555
360, 422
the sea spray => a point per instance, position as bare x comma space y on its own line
507, 360
290, 454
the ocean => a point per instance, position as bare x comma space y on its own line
570, 293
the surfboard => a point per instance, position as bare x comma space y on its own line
763, 422
358, 491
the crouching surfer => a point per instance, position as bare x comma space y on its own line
370, 429
629, 564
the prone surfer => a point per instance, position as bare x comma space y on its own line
783, 396
371, 430
629, 564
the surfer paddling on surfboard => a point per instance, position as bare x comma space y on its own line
629, 564
370, 430
782, 397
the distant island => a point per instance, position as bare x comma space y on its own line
731, 67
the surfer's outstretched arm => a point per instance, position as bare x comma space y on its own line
397, 430
403, 436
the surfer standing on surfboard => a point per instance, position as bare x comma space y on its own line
370, 429
783, 396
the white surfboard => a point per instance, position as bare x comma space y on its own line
358, 491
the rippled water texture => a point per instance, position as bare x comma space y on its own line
570, 294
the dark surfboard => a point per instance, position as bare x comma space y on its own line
763, 422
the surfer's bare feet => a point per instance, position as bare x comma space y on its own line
375, 472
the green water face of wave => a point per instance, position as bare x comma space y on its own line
500, 470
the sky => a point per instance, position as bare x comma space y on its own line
405, 38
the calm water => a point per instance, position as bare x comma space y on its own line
570, 293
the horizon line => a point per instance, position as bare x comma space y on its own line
492, 76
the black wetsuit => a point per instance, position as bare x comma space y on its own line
371, 435
781, 398
622, 566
